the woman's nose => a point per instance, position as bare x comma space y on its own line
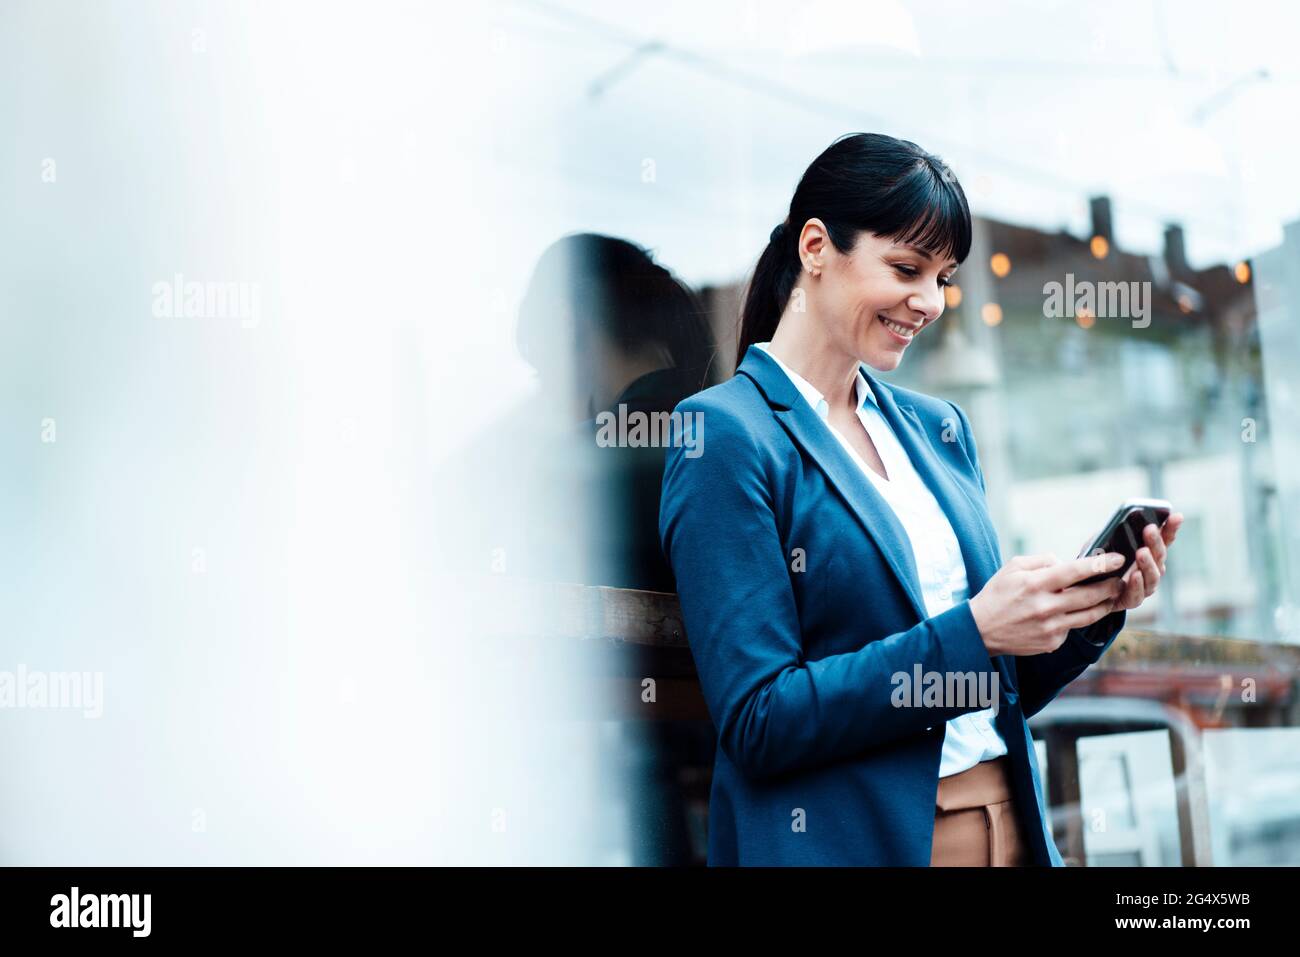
928, 305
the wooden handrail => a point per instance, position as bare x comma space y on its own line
649, 625
654, 619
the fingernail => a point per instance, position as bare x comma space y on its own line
1114, 560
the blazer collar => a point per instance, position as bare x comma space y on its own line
864, 392
872, 511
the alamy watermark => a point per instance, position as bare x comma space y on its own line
1101, 300
944, 689
637, 429
192, 299
129, 911
70, 690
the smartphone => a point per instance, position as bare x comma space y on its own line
1123, 533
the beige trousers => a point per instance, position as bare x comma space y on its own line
974, 819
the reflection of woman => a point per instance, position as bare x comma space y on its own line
609, 329
868, 660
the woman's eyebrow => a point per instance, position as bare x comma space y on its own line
952, 263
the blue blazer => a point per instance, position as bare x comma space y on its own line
801, 600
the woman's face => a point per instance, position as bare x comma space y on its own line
880, 282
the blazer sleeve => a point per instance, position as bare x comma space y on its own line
775, 711
1041, 677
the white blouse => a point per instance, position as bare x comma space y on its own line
972, 737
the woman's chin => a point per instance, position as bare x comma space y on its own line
883, 360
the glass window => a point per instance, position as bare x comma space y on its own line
1253, 779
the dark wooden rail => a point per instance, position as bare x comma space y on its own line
1197, 673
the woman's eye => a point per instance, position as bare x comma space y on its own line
911, 272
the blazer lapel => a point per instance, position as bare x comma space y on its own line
972, 532
872, 511
812, 434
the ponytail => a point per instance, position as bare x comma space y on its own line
769, 290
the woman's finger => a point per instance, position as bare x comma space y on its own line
1157, 546
1120, 599
1135, 593
1169, 531
1150, 572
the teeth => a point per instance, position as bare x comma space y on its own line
901, 330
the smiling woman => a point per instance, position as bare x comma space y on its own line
836, 536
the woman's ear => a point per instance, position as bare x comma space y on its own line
814, 245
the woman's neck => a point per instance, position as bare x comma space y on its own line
800, 344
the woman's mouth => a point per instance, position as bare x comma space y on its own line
900, 332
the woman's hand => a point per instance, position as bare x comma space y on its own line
1028, 607
1141, 579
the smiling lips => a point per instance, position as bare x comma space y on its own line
900, 330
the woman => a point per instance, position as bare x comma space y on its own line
836, 561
